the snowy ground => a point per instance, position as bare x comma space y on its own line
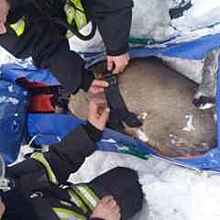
172, 192
151, 21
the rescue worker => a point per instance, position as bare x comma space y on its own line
39, 28
41, 192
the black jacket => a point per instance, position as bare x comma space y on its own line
44, 40
35, 193
113, 18
30, 177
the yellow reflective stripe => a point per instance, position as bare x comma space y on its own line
65, 214
19, 27
40, 158
76, 200
87, 195
79, 16
70, 13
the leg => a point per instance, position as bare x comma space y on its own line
123, 185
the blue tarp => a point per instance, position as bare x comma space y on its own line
192, 50
195, 50
50, 128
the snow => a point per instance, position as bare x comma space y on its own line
199, 16
5, 57
171, 192
151, 21
4, 99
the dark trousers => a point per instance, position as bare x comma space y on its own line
122, 183
49, 49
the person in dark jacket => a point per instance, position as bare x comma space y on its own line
38, 28
41, 191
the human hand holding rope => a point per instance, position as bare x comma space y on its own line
117, 64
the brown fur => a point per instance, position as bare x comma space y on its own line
148, 86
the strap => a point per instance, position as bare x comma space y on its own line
117, 104
203, 100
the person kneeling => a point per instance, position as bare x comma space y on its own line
40, 189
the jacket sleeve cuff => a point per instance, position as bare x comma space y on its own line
116, 37
94, 133
77, 137
119, 52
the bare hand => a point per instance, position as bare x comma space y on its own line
2, 209
97, 86
98, 115
3, 29
4, 9
107, 208
117, 62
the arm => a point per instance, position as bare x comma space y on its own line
56, 165
68, 155
63, 158
113, 19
